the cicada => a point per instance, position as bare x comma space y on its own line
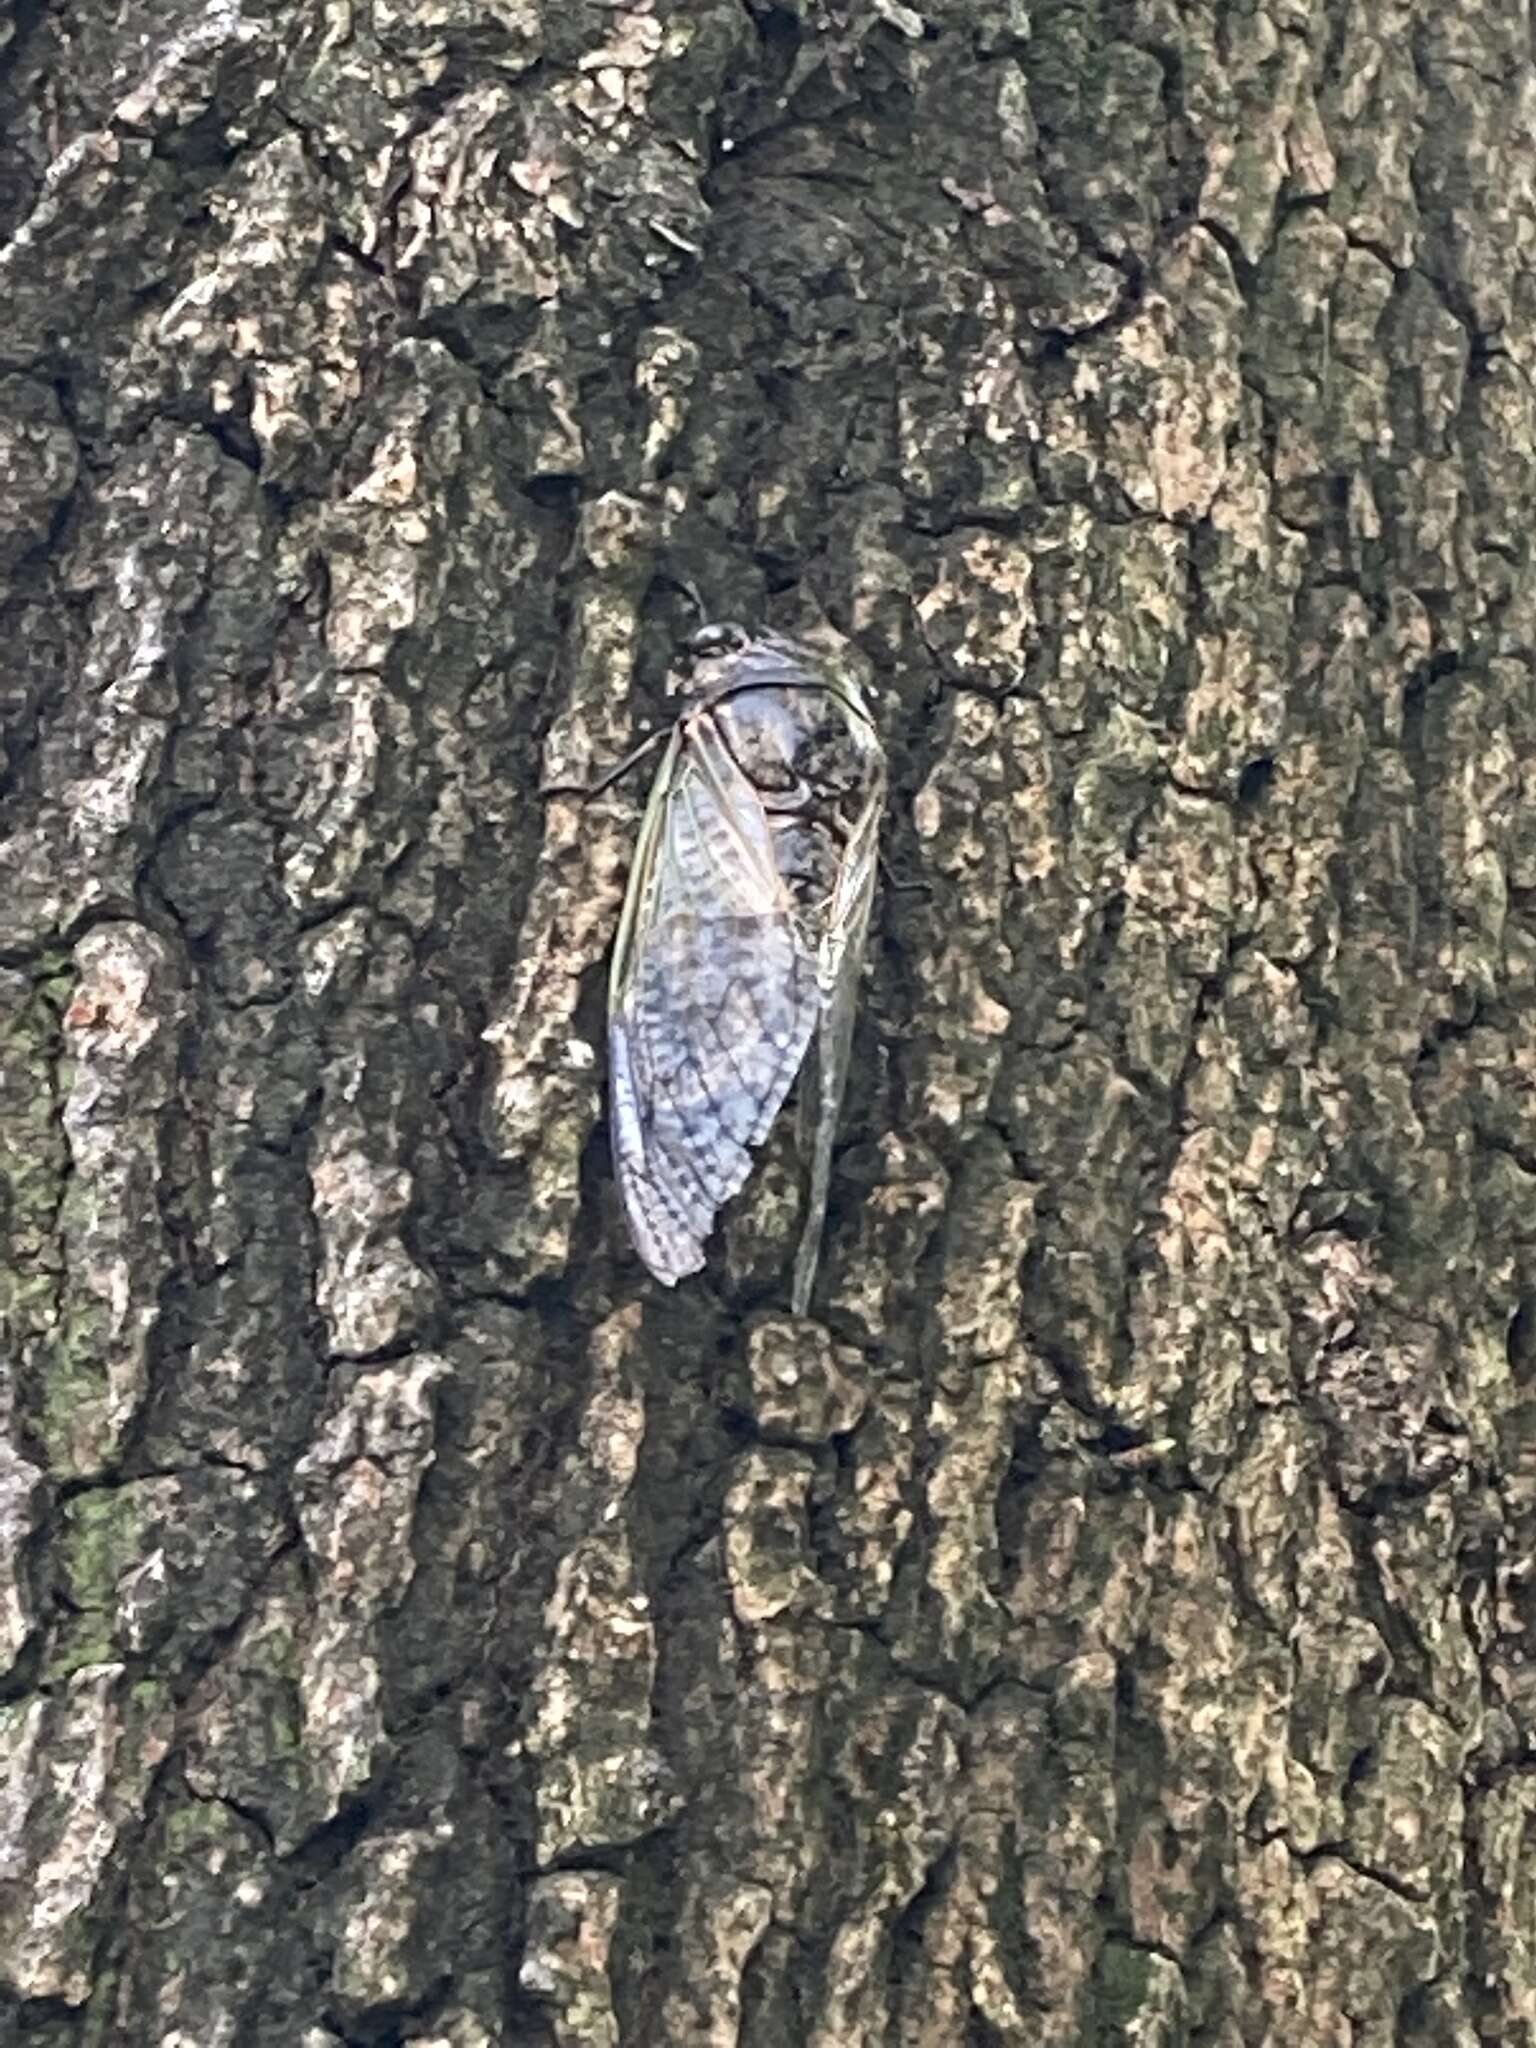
741, 938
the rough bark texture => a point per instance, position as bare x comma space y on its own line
1109, 1623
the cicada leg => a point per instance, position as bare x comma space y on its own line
631, 760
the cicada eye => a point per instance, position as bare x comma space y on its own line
713, 640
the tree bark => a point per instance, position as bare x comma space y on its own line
1107, 1621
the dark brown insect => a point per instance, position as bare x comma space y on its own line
741, 938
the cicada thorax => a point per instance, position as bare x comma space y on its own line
814, 766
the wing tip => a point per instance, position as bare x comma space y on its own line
666, 1256
669, 1271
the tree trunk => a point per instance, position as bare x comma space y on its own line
1107, 1621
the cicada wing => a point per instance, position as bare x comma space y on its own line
842, 957
714, 998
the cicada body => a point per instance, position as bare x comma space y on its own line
741, 939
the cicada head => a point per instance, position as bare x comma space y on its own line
710, 642
702, 656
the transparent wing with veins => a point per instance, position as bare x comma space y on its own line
714, 998
841, 957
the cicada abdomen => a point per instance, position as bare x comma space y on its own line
741, 938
